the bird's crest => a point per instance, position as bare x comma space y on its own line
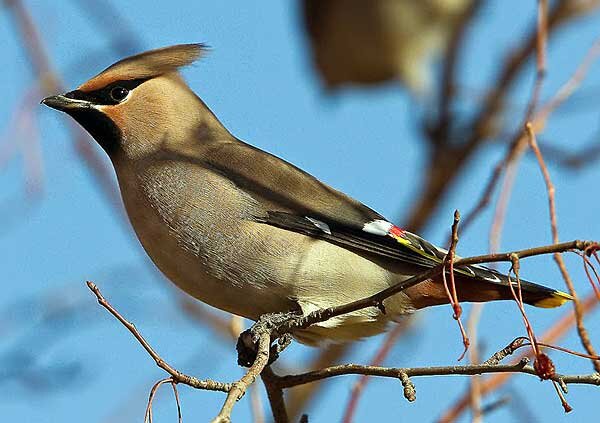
146, 65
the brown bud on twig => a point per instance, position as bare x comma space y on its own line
544, 367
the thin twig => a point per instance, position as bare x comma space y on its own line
355, 369
177, 376
563, 247
583, 333
451, 291
518, 297
239, 388
148, 414
275, 395
588, 264
475, 385
558, 330
177, 403
377, 360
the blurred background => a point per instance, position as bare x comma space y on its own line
407, 106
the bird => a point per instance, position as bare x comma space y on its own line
245, 231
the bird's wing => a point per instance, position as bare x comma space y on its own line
378, 237
295, 200
278, 185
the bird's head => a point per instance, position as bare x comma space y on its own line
139, 104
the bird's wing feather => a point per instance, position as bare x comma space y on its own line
393, 243
386, 240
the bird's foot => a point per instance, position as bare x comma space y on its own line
271, 323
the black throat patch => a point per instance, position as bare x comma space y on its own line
101, 127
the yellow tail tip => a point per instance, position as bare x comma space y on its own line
557, 299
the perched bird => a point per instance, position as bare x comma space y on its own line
243, 230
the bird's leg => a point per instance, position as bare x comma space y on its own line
247, 343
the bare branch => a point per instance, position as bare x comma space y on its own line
177, 376
377, 360
558, 330
275, 395
239, 388
448, 263
356, 369
583, 333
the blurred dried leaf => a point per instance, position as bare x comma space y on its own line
369, 42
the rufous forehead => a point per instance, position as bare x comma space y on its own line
99, 81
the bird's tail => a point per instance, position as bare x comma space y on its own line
481, 284
533, 293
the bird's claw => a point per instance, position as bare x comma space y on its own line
247, 344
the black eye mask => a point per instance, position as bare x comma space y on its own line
110, 95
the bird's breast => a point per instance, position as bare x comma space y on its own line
190, 222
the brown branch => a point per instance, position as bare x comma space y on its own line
451, 293
275, 384
510, 349
177, 403
474, 358
376, 300
467, 370
581, 329
239, 388
177, 376
275, 395
377, 360
234, 390
558, 330
153, 390
518, 297
563, 247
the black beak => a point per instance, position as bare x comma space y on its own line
65, 104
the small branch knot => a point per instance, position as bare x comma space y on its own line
410, 392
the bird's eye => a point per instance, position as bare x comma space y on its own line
119, 93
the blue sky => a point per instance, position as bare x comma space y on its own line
258, 80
